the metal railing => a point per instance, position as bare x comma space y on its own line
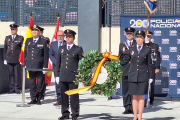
45, 11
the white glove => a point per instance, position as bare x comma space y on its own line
57, 80
44, 71
150, 81
5, 62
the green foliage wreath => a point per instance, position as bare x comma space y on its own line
113, 68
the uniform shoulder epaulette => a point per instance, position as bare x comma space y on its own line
147, 46
131, 46
122, 43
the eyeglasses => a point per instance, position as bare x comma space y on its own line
60, 35
13, 29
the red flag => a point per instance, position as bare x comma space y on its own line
28, 35
49, 73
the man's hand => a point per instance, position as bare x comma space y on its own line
156, 71
150, 81
44, 71
57, 80
5, 62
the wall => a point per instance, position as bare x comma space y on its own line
49, 31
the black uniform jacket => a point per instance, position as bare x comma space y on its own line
123, 50
36, 56
140, 64
155, 49
67, 63
12, 48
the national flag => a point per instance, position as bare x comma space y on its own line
48, 74
28, 35
178, 20
151, 5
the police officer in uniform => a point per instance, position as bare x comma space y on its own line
155, 56
140, 73
36, 57
123, 48
68, 58
41, 35
12, 49
48, 41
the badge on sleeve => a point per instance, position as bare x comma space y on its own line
8, 39
83, 54
62, 50
132, 53
29, 43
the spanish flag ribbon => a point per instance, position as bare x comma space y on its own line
106, 56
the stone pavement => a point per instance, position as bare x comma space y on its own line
92, 107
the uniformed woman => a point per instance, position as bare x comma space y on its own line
140, 73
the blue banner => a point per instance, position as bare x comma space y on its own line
166, 33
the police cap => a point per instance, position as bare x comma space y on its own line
129, 30
149, 33
140, 33
13, 26
35, 27
41, 29
69, 32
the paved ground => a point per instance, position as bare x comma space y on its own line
92, 107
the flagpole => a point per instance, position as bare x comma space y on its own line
23, 86
147, 22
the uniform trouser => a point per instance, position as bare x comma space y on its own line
152, 88
14, 71
127, 99
44, 89
58, 94
36, 89
57, 88
74, 99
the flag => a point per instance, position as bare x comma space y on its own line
151, 5
48, 74
28, 35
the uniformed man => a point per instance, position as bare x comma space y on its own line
36, 57
155, 56
41, 35
12, 49
48, 41
123, 48
66, 68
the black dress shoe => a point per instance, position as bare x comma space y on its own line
74, 118
11, 92
63, 117
127, 112
39, 102
19, 92
33, 102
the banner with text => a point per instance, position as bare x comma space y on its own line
166, 33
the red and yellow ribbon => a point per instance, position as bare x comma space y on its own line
106, 56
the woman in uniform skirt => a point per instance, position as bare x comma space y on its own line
140, 72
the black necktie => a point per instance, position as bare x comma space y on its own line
34, 41
139, 49
130, 43
68, 47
